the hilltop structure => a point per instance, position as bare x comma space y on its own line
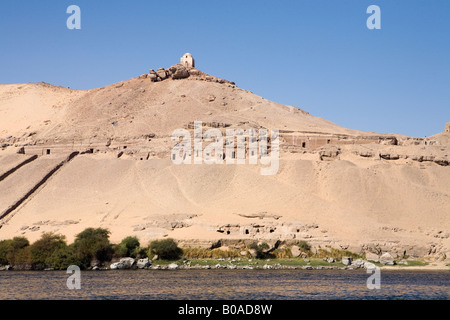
187, 61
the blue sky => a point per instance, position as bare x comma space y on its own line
315, 54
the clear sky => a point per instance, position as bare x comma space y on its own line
318, 55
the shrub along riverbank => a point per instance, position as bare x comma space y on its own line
92, 249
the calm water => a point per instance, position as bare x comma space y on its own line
225, 284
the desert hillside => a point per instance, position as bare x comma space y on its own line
73, 159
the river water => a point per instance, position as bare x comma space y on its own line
224, 284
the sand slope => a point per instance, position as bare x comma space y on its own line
348, 202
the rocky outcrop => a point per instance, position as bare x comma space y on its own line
178, 71
124, 263
143, 263
387, 259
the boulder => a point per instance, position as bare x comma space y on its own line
143, 263
372, 257
173, 266
347, 261
153, 77
295, 251
180, 72
194, 72
243, 253
124, 263
358, 263
161, 73
253, 253
330, 260
387, 259
369, 265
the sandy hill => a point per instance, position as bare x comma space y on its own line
335, 186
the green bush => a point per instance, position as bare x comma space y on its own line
10, 248
92, 244
4, 248
64, 257
304, 246
165, 249
15, 249
261, 250
42, 250
129, 247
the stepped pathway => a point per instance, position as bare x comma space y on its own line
20, 185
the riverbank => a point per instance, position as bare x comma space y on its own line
92, 251
305, 264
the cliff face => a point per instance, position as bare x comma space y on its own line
335, 186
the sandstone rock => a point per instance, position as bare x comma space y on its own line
372, 257
253, 253
161, 73
180, 72
143, 263
330, 260
347, 261
387, 259
153, 77
194, 72
295, 251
